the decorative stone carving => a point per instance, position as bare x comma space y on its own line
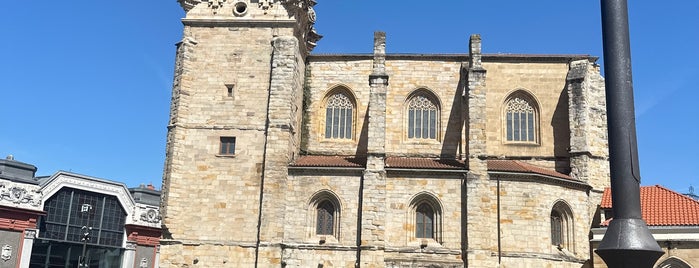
151, 216
145, 215
30, 233
19, 195
130, 245
519, 105
6, 253
265, 4
311, 15
144, 263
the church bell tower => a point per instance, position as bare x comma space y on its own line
234, 126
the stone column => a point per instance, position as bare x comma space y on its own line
129, 257
374, 180
27, 245
481, 230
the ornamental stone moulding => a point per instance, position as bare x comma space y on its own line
19, 195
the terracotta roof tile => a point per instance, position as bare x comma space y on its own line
329, 161
661, 207
424, 163
523, 167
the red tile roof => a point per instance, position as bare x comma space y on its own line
661, 207
424, 163
329, 161
523, 167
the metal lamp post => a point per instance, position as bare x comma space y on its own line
83, 261
627, 241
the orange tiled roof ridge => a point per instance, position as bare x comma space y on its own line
662, 207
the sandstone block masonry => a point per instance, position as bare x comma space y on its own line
426, 173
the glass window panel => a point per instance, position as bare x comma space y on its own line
424, 221
516, 127
338, 117
419, 224
105, 214
425, 124
336, 122
325, 221
348, 123
530, 125
509, 126
520, 123
328, 122
556, 228
411, 123
433, 124
418, 124
341, 123
428, 227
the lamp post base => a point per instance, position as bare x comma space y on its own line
628, 243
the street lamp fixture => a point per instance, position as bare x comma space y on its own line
627, 241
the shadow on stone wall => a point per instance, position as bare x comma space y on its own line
363, 142
451, 145
561, 133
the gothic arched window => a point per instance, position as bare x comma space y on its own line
324, 212
562, 233
339, 115
521, 119
425, 215
423, 117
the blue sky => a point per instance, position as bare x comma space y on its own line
85, 87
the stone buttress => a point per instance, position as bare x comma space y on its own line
373, 219
481, 238
589, 154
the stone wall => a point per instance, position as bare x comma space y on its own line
221, 90
545, 81
248, 77
525, 223
407, 74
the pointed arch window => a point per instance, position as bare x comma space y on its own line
339, 114
521, 120
324, 211
423, 117
425, 215
562, 233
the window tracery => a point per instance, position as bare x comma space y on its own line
521, 120
339, 114
423, 118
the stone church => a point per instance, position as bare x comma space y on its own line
278, 157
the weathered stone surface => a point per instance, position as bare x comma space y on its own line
249, 77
